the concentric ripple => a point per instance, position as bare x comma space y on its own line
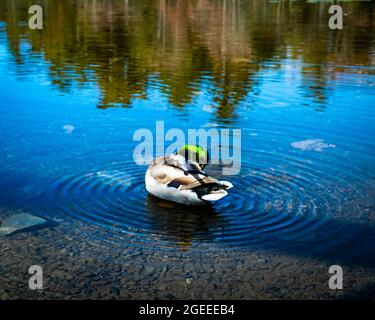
283, 201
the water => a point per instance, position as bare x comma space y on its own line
73, 95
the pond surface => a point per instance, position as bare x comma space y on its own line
73, 94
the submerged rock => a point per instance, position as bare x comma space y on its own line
20, 222
312, 145
68, 128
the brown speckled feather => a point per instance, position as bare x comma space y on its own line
168, 169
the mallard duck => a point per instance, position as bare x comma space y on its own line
180, 178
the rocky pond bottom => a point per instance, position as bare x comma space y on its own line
78, 267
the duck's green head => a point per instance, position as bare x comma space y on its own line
195, 154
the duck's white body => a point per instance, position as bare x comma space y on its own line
172, 170
171, 194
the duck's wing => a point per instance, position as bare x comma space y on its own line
194, 182
174, 171
164, 174
172, 168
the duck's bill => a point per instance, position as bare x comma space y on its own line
215, 196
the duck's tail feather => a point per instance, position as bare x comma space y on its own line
214, 195
228, 185
213, 191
